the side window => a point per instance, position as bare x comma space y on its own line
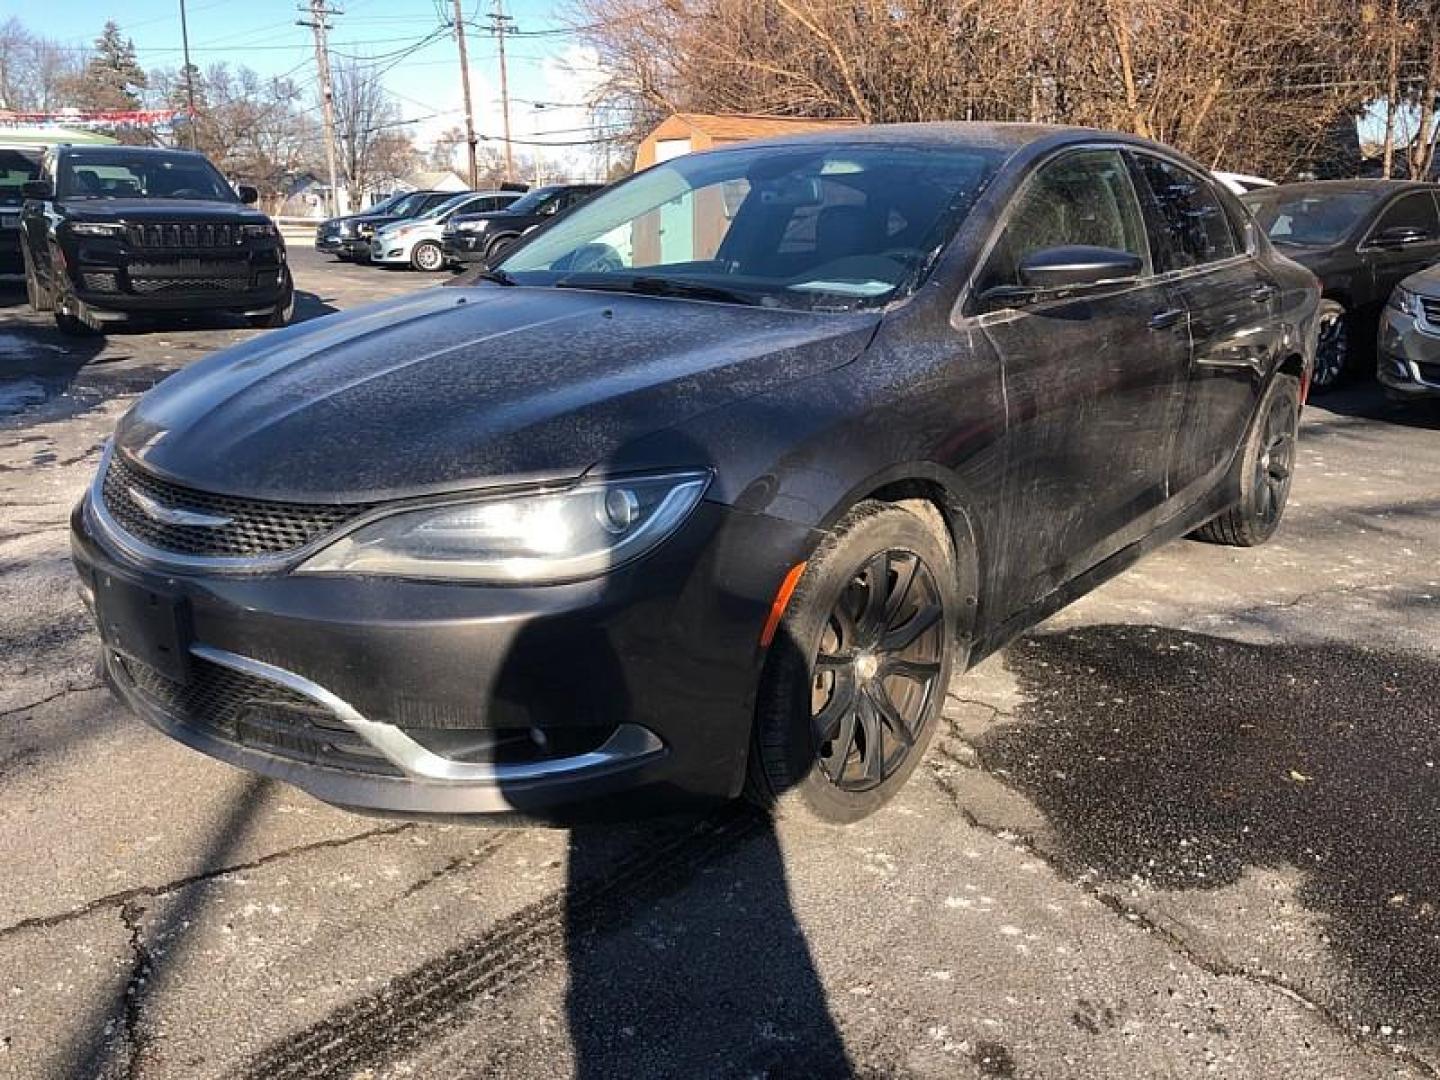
434, 201
1415, 211
1082, 198
1195, 227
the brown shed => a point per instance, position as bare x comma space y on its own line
687, 132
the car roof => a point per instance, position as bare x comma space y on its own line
127, 151
999, 135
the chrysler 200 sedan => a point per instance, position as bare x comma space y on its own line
710, 486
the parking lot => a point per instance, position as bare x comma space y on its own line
1188, 827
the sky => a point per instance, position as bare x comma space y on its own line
550, 73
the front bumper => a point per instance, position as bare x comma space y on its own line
389, 252
464, 248
641, 682
353, 247
1407, 356
108, 279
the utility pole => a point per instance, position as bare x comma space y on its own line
189, 73
500, 26
317, 23
465, 85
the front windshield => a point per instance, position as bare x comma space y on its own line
141, 176
447, 206
532, 200
409, 204
831, 226
16, 167
1308, 218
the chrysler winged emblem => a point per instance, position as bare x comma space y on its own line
172, 515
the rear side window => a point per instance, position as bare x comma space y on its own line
1192, 225
1415, 211
1081, 198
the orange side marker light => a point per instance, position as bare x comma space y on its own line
782, 599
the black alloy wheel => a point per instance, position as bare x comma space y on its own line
876, 669
856, 675
1266, 465
1332, 348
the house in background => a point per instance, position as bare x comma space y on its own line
691, 227
433, 180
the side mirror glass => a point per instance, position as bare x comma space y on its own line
1077, 265
37, 189
1400, 236
248, 194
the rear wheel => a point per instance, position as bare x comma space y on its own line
427, 256
1332, 347
856, 676
1266, 466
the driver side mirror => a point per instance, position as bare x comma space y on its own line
37, 189
1398, 236
1077, 264
248, 195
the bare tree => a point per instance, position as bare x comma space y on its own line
374, 147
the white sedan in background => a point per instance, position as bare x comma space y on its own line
416, 242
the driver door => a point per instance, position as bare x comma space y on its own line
1094, 377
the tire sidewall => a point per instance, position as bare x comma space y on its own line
784, 742
1330, 309
1284, 392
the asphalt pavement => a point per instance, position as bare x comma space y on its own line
1188, 827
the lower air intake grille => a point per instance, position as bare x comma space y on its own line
256, 713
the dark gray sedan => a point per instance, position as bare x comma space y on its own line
712, 485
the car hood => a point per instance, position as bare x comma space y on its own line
1426, 282
463, 388
139, 210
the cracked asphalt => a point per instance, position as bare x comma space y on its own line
1188, 827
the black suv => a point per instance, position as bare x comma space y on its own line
485, 238
348, 238
111, 231
18, 165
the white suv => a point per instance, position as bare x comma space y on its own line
416, 241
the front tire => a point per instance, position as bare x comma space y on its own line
1332, 348
1266, 466
281, 314
499, 249
427, 256
36, 294
856, 676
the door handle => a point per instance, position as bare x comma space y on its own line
1164, 320
1263, 294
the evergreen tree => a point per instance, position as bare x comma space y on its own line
113, 78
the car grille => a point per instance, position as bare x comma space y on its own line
254, 528
151, 286
174, 235
1431, 308
256, 713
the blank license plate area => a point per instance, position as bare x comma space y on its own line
147, 625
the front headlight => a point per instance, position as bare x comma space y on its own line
97, 228
365, 229
263, 230
471, 226
1405, 302
536, 539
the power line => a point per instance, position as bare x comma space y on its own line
318, 14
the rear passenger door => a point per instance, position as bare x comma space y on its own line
1094, 376
1206, 256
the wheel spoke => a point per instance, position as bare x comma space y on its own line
830, 719
902, 637
880, 699
841, 746
873, 759
918, 670
872, 616
904, 577
832, 662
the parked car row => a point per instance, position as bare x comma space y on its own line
430, 230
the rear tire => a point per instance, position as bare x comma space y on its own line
856, 676
282, 313
1266, 466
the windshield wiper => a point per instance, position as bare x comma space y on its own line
647, 285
